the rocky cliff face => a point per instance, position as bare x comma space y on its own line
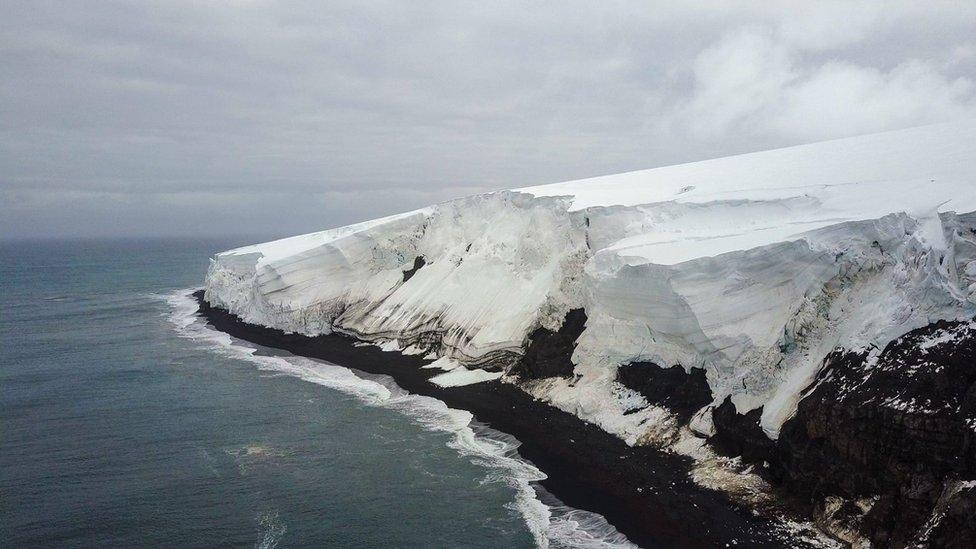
883, 445
683, 393
549, 353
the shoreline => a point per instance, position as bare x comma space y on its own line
643, 492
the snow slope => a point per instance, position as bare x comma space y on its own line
752, 267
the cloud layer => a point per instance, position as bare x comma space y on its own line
136, 118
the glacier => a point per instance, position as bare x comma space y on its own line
751, 267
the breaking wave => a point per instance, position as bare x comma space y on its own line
551, 523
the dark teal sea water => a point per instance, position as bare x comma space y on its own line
124, 424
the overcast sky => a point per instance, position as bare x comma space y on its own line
190, 118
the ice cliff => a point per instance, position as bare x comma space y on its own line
809, 309
752, 268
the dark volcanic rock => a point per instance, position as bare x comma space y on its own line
895, 432
549, 354
418, 262
740, 434
955, 529
681, 392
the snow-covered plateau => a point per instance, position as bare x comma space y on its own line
746, 271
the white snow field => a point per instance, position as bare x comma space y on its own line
752, 267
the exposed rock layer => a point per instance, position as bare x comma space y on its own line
684, 393
550, 353
891, 433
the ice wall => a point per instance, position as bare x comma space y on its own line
752, 267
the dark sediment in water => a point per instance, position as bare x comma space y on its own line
643, 492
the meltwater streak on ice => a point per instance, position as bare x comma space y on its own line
552, 524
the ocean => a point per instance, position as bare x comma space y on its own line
128, 422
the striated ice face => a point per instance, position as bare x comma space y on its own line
752, 267
490, 265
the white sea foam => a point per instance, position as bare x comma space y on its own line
272, 530
551, 522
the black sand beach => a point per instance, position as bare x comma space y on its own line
644, 493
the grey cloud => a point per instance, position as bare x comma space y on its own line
753, 77
186, 117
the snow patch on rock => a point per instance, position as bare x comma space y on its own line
462, 376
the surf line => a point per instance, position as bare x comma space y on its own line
549, 520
